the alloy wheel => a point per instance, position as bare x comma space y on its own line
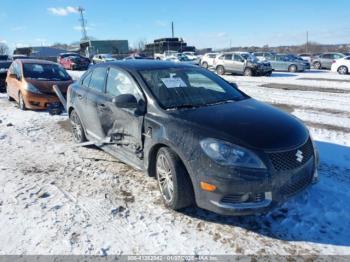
165, 178
343, 70
77, 128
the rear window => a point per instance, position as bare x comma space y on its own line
48, 72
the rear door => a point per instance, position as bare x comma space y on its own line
123, 124
95, 100
327, 60
228, 62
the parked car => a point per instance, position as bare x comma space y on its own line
30, 82
4, 66
163, 56
342, 65
326, 60
241, 63
75, 62
137, 56
180, 58
207, 61
4, 57
195, 133
306, 56
281, 62
263, 56
300, 59
14, 57
102, 58
64, 55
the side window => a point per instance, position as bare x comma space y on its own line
86, 80
119, 83
228, 57
348, 58
97, 81
327, 56
18, 70
237, 58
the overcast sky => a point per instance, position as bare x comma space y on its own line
203, 23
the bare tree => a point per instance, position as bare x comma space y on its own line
4, 49
140, 44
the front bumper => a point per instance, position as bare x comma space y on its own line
262, 189
39, 101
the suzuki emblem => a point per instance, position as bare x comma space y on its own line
299, 155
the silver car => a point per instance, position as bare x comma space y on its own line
281, 62
241, 63
326, 60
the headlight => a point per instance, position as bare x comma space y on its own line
30, 88
227, 154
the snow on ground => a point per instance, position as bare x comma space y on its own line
59, 199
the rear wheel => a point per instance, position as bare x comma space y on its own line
205, 65
343, 70
220, 70
317, 65
21, 103
292, 68
248, 72
77, 127
173, 180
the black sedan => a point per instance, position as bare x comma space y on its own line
4, 66
206, 142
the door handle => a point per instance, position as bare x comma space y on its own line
102, 105
80, 96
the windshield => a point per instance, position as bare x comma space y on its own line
107, 56
45, 72
187, 87
249, 57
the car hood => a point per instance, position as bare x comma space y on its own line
247, 123
46, 86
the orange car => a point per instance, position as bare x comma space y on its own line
30, 82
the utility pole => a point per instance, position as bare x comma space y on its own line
82, 23
172, 29
307, 41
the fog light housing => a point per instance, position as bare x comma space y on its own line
207, 187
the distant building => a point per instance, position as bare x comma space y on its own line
165, 44
92, 47
39, 51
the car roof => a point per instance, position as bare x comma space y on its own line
35, 61
140, 65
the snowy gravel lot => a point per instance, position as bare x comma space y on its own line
59, 199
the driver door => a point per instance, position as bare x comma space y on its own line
123, 125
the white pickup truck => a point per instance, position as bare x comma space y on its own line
166, 54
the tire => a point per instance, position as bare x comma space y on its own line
77, 127
158, 58
317, 65
343, 70
21, 103
220, 70
205, 65
248, 72
173, 180
292, 68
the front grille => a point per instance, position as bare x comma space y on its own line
289, 160
243, 198
296, 184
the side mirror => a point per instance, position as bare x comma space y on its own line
125, 101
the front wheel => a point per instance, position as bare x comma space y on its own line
77, 127
220, 70
317, 65
292, 68
173, 180
248, 72
343, 70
